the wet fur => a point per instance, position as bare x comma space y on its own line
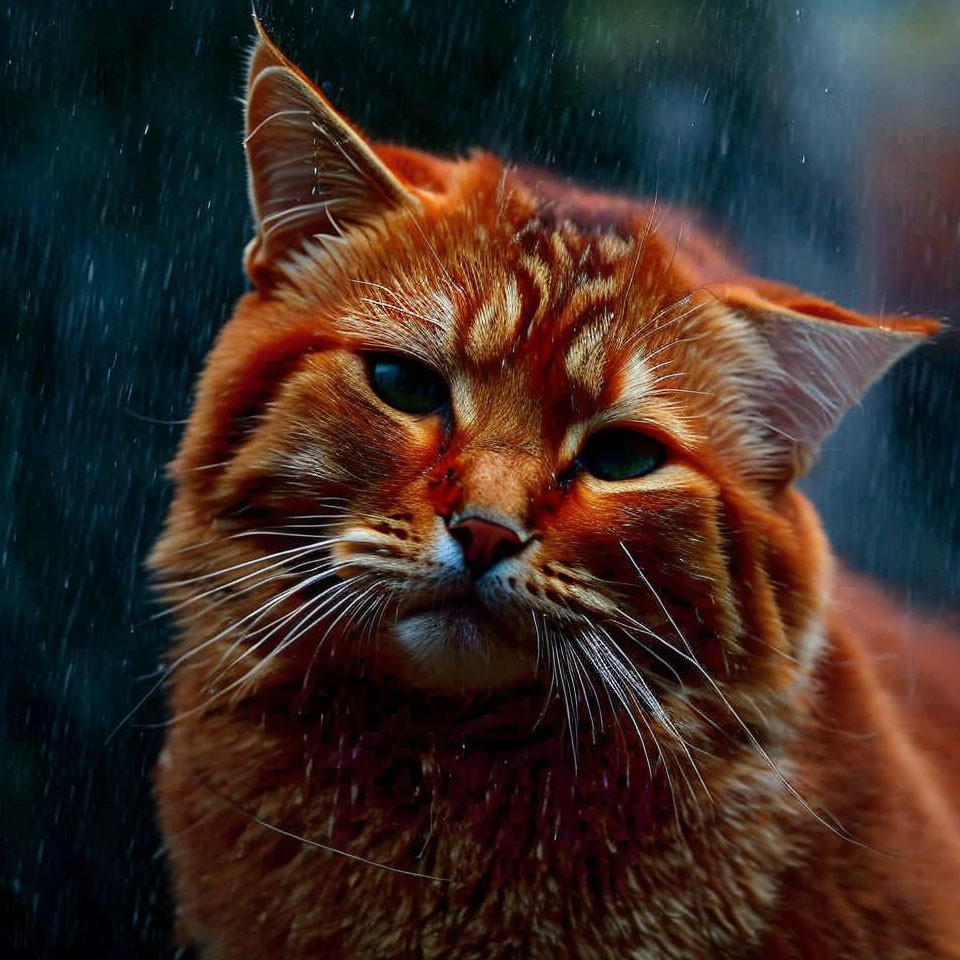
776, 777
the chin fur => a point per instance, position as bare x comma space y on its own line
449, 650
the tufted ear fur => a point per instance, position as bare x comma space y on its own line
810, 361
312, 176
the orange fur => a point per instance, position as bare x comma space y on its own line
673, 730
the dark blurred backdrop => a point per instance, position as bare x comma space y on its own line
824, 137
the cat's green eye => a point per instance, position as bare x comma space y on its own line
619, 454
407, 384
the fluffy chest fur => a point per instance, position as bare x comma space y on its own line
532, 858
517, 854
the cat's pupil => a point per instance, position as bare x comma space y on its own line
407, 384
620, 454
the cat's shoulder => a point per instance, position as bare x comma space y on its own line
909, 660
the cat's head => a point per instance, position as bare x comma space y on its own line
477, 427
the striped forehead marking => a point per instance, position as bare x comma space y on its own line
494, 325
537, 274
585, 359
574, 285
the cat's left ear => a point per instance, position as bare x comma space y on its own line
810, 361
312, 175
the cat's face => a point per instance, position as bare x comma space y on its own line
479, 428
500, 443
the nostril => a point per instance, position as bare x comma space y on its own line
484, 543
504, 549
462, 535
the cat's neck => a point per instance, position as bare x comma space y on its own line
475, 791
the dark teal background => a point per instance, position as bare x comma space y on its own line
818, 136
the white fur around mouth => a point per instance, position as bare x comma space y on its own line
458, 625
460, 646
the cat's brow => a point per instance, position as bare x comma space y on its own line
640, 394
635, 381
587, 363
425, 326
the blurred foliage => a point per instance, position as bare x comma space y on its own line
121, 228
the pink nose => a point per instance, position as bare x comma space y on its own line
484, 543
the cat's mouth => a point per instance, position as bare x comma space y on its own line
460, 641
466, 604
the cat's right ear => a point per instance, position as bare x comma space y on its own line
807, 361
312, 175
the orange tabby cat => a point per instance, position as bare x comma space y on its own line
503, 630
